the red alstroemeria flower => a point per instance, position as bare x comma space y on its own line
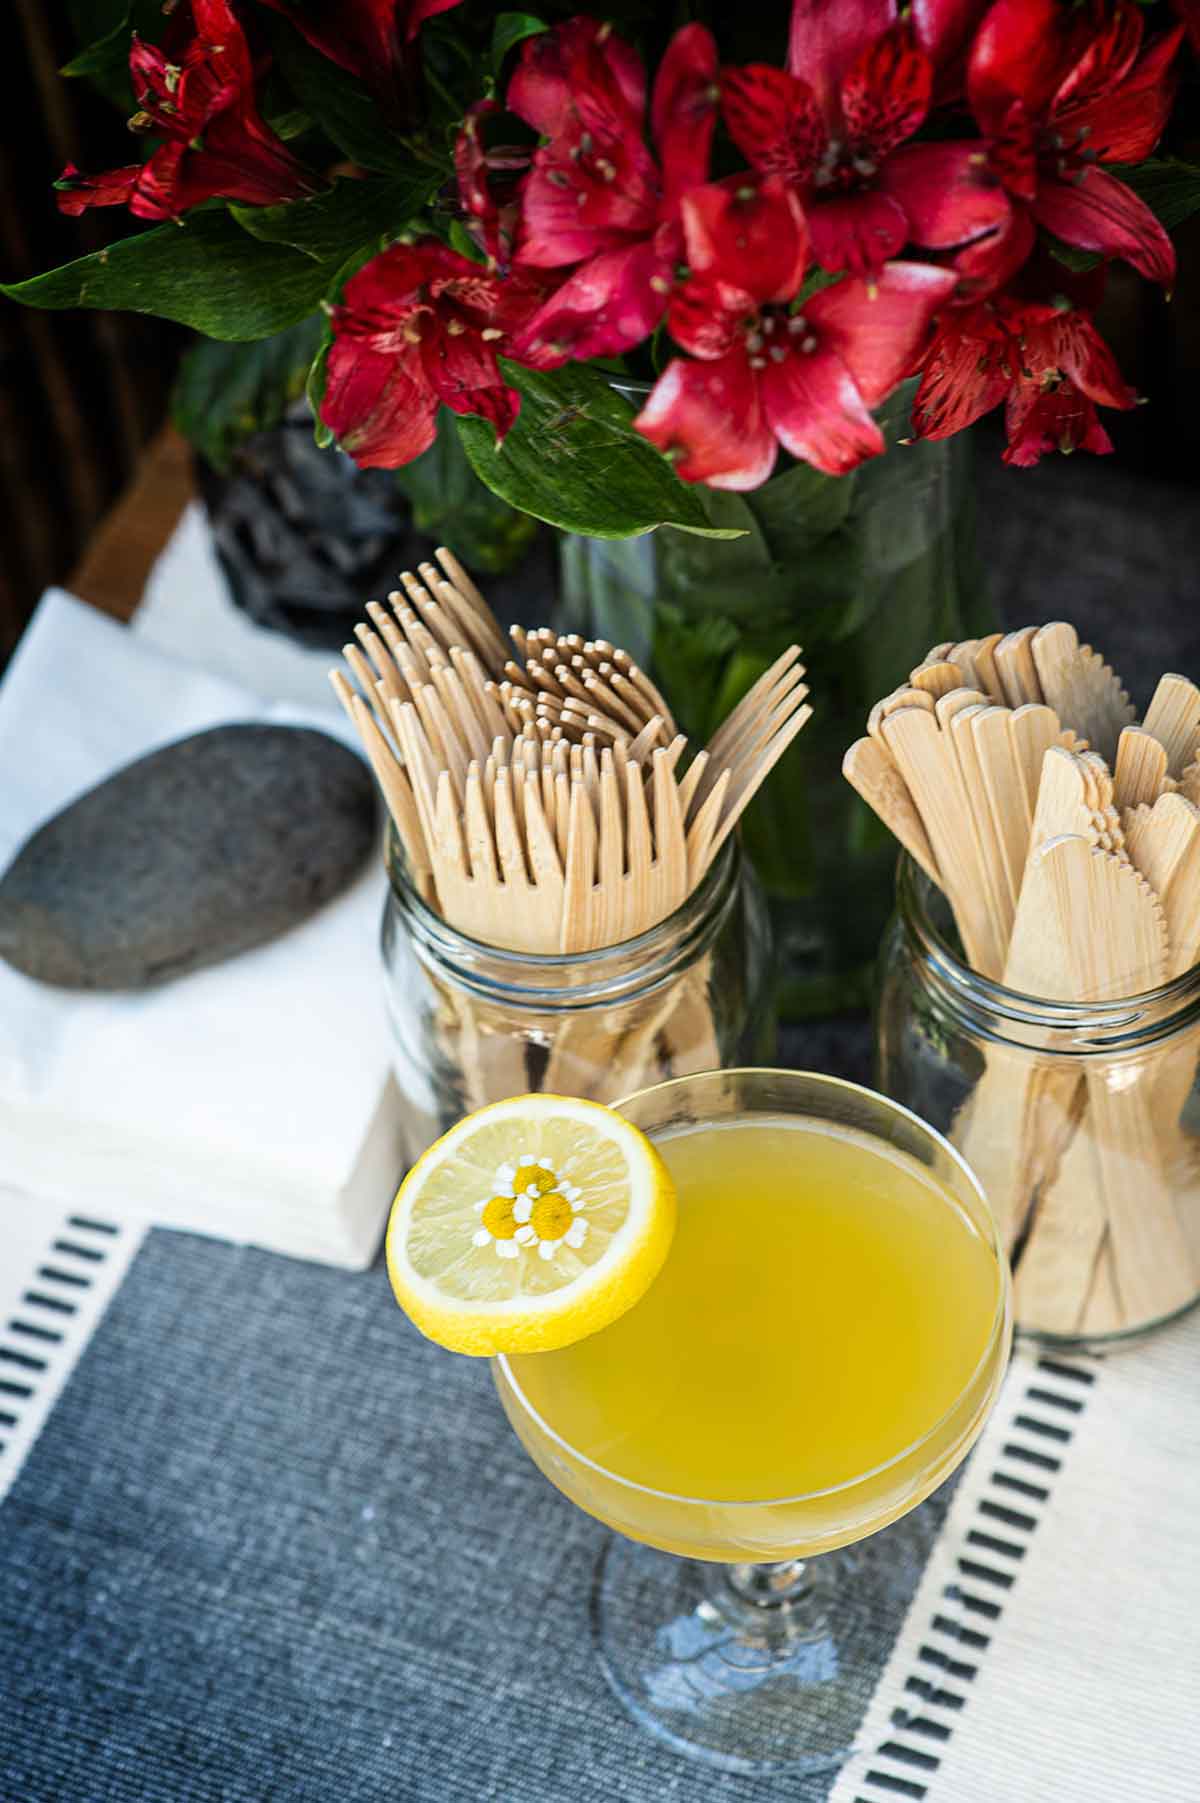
372, 39
832, 125
770, 372
488, 186
595, 195
419, 327
943, 29
216, 143
1046, 361
1059, 93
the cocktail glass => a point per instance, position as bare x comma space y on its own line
870, 1371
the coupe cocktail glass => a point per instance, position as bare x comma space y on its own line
819, 1352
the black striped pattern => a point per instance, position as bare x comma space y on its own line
36, 1336
988, 1569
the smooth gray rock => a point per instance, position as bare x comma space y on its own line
208, 847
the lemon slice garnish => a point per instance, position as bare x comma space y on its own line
533, 1222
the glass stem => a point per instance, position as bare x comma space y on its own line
769, 1586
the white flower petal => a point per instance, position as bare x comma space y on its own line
507, 1249
573, 1193
547, 1248
545, 1164
525, 1158
505, 1174
522, 1208
525, 1236
480, 1206
480, 1237
576, 1233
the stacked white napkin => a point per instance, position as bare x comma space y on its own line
251, 1100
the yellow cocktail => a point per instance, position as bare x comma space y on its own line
826, 1305
819, 1351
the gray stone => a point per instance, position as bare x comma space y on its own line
205, 848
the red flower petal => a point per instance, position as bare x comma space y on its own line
710, 416
76, 192
379, 408
1056, 419
817, 413
576, 207
542, 88
148, 75
606, 307
856, 231
1106, 57
462, 371
707, 316
748, 232
948, 192
370, 38
877, 324
827, 35
1018, 54
1101, 213
885, 93
1067, 343
683, 111
774, 120
943, 30
488, 184
1124, 125
160, 192
970, 367
989, 262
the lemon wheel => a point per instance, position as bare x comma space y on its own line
531, 1223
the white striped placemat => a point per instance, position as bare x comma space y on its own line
1052, 1651
56, 1279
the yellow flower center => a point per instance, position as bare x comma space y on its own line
535, 1177
498, 1218
551, 1217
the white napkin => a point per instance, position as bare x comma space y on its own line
251, 1100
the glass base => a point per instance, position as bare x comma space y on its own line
750, 1668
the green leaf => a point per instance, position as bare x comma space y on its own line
510, 30
206, 273
107, 30
107, 54
801, 506
1169, 186
338, 103
574, 460
226, 392
450, 502
1070, 256
349, 214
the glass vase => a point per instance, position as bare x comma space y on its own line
1080, 1120
866, 572
472, 1023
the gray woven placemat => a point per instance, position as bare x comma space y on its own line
273, 1545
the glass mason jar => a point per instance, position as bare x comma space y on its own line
472, 1023
866, 572
1081, 1120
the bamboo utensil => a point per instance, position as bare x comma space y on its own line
872, 770
1066, 839
547, 804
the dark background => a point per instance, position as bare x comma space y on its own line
81, 393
